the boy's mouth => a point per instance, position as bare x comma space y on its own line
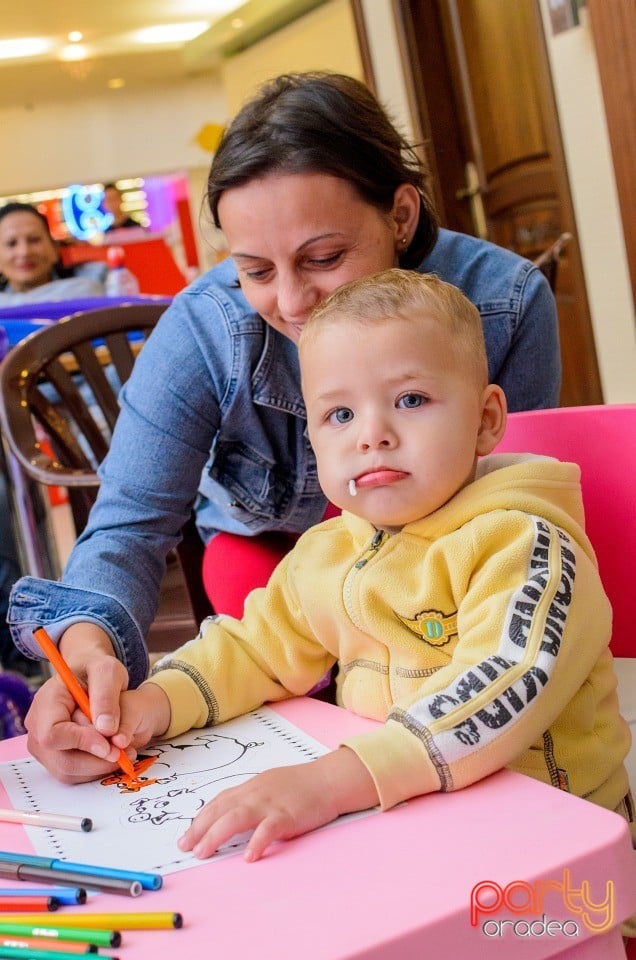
380, 477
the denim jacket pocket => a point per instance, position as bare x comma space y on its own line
257, 489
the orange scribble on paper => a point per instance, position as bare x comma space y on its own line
127, 784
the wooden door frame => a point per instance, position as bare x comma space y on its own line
445, 141
436, 117
613, 26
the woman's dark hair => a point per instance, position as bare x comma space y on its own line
16, 207
322, 122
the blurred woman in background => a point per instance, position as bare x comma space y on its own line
30, 266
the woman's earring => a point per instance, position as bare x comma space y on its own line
404, 241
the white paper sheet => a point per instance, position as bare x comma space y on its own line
140, 830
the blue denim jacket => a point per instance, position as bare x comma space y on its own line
213, 413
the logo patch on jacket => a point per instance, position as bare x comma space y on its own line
435, 627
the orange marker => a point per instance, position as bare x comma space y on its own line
72, 685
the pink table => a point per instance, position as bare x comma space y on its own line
394, 885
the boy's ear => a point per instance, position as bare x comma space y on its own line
493, 419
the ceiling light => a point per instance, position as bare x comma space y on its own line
170, 32
116, 83
75, 36
24, 47
73, 52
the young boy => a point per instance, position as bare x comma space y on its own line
460, 596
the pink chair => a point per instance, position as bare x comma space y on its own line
602, 440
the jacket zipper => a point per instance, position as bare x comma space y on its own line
373, 547
377, 541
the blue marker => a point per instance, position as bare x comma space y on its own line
66, 895
149, 881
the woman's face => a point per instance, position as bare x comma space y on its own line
27, 253
295, 238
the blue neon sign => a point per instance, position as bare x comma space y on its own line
82, 211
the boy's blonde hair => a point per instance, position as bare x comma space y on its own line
406, 295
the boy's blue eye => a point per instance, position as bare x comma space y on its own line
410, 401
341, 415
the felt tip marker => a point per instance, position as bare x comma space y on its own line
57, 821
21, 871
149, 881
24, 904
8, 953
75, 689
36, 928
65, 895
149, 920
32, 943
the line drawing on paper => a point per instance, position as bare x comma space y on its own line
141, 827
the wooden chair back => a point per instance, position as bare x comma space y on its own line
58, 409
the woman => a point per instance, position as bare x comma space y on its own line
312, 186
30, 267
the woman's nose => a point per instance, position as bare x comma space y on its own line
296, 297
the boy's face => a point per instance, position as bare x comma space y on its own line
398, 409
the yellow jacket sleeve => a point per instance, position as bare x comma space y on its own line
234, 666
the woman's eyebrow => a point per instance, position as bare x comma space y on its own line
238, 254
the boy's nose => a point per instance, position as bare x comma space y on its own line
376, 434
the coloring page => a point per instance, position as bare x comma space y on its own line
138, 828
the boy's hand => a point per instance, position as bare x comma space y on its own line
283, 803
145, 713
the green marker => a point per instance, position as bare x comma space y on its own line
8, 952
100, 938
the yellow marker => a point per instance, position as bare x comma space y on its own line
157, 920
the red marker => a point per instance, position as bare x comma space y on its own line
28, 904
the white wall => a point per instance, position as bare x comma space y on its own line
387, 64
122, 134
324, 39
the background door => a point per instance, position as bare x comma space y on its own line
484, 100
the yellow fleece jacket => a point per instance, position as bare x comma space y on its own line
478, 635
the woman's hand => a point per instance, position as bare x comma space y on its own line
71, 747
283, 803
